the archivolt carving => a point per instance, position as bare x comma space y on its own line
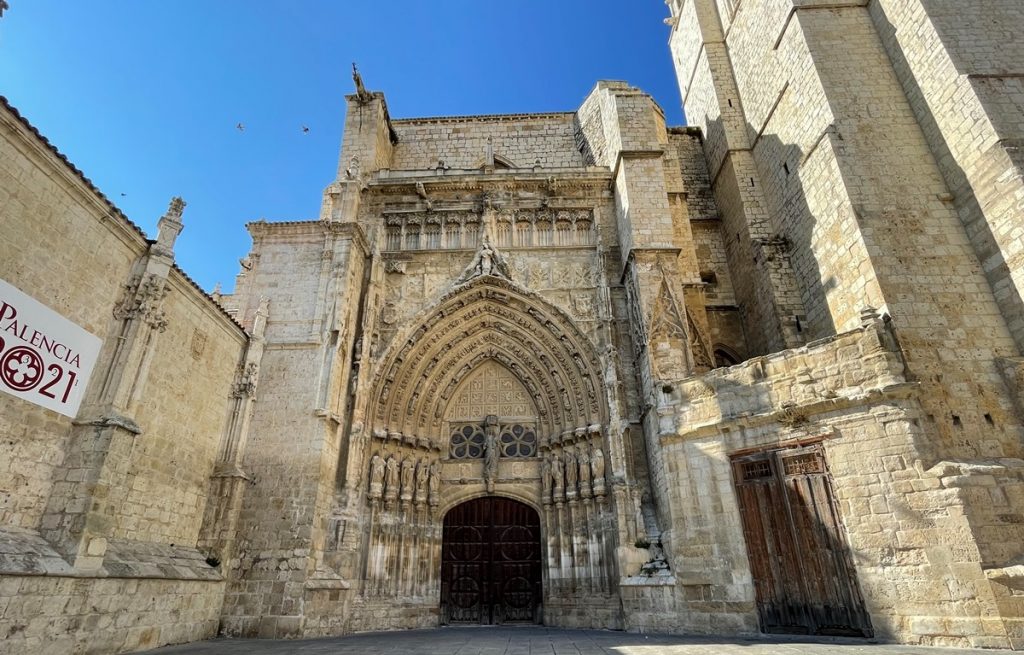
488, 318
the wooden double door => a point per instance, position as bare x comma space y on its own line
491, 563
803, 574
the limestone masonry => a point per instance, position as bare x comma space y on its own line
758, 374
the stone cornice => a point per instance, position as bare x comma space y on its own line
589, 179
634, 154
481, 118
261, 228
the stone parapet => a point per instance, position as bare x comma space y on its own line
786, 387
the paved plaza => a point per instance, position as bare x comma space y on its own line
533, 640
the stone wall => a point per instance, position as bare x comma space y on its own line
51, 614
310, 274
961, 69
818, 103
521, 140
920, 572
102, 514
54, 218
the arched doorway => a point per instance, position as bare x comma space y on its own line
490, 563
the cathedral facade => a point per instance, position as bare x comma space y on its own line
758, 374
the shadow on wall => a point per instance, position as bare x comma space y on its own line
1011, 305
791, 226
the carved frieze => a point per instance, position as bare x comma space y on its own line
460, 229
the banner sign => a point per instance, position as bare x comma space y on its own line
44, 358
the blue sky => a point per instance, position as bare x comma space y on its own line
144, 95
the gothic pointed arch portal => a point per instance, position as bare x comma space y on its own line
491, 392
489, 319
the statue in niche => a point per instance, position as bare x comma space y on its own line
486, 259
422, 479
376, 476
391, 479
408, 473
491, 452
434, 484
545, 480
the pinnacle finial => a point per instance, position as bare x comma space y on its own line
176, 207
361, 91
169, 227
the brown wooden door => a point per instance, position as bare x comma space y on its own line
490, 565
803, 574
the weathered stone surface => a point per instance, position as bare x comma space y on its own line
604, 318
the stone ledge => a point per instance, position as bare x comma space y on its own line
648, 581
25, 552
856, 368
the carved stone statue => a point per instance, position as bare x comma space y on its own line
557, 481
434, 485
391, 479
491, 452
571, 474
584, 461
597, 468
408, 473
422, 477
352, 172
376, 476
597, 463
487, 261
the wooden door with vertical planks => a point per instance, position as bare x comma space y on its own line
804, 576
490, 563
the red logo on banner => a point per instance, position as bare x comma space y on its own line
21, 368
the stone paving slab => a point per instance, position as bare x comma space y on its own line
534, 640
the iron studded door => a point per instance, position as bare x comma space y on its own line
804, 578
490, 569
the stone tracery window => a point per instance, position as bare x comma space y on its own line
514, 440
518, 441
467, 442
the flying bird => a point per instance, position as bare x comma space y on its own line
305, 130
240, 127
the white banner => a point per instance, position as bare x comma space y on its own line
44, 358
